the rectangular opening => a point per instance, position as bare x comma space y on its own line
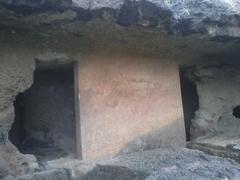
45, 122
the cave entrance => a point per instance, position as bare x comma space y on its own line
189, 100
45, 117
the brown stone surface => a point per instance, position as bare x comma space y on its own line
129, 104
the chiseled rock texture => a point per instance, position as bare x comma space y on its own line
159, 164
56, 174
63, 30
218, 88
219, 19
215, 127
172, 164
16, 75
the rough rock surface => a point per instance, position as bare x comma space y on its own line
213, 17
218, 19
215, 128
156, 164
69, 29
56, 174
218, 91
16, 75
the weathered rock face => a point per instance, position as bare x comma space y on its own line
153, 28
154, 165
56, 174
215, 128
215, 18
186, 31
16, 76
172, 164
218, 90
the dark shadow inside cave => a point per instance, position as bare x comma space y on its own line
236, 112
45, 115
189, 100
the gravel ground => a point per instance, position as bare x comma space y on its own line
159, 164
167, 164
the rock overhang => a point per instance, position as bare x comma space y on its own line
166, 28
193, 16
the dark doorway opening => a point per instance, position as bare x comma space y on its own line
189, 100
45, 115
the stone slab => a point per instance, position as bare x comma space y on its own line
128, 105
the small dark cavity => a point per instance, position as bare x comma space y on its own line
236, 112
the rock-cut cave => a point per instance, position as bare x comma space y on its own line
119, 89
45, 115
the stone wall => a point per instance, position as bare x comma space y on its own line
175, 29
16, 76
217, 86
129, 104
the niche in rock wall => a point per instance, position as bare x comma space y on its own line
189, 100
236, 112
44, 115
